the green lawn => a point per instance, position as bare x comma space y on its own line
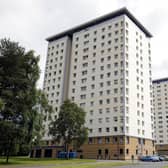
57, 163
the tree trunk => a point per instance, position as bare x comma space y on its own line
67, 152
7, 155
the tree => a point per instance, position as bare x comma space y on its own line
35, 118
24, 105
1, 104
69, 126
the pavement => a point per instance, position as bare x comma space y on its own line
136, 164
145, 165
139, 164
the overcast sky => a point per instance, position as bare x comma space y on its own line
31, 21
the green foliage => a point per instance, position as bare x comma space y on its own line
22, 114
55, 163
69, 126
1, 104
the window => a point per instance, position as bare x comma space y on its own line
115, 109
92, 94
94, 39
83, 96
116, 81
94, 47
116, 48
108, 74
115, 119
121, 151
103, 29
85, 57
83, 88
99, 140
76, 46
82, 104
84, 80
115, 90
92, 86
127, 140
101, 76
85, 50
109, 42
116, 40
103, 36
107, 119
90, 140
115, 73
100, 102
86, 35
102, 60
108, 101
102, 68
108, 92
93, 69
116, 25
116, 64
84, 72
115, 129
101, 84
102, 44
91, 112
108, 66
108, 83
107, 140
109, 58
86, 42
101, 93
115, 100
126, 25
100, 111
94, 54
92, 103
127, 151
85, 65
107, 111
114, 140
107, 129
99, 130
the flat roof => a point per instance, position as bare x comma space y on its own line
122, 11
160, 80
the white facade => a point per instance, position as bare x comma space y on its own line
160, 101
109, 75
56, 74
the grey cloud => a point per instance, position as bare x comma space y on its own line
31, 21
156, 20
160, 70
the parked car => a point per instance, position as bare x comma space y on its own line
165, 157
150, 158
161, 158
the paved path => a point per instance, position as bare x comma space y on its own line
136, 165
146, 165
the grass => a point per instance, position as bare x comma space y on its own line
57, 163
95, 165
43, 161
